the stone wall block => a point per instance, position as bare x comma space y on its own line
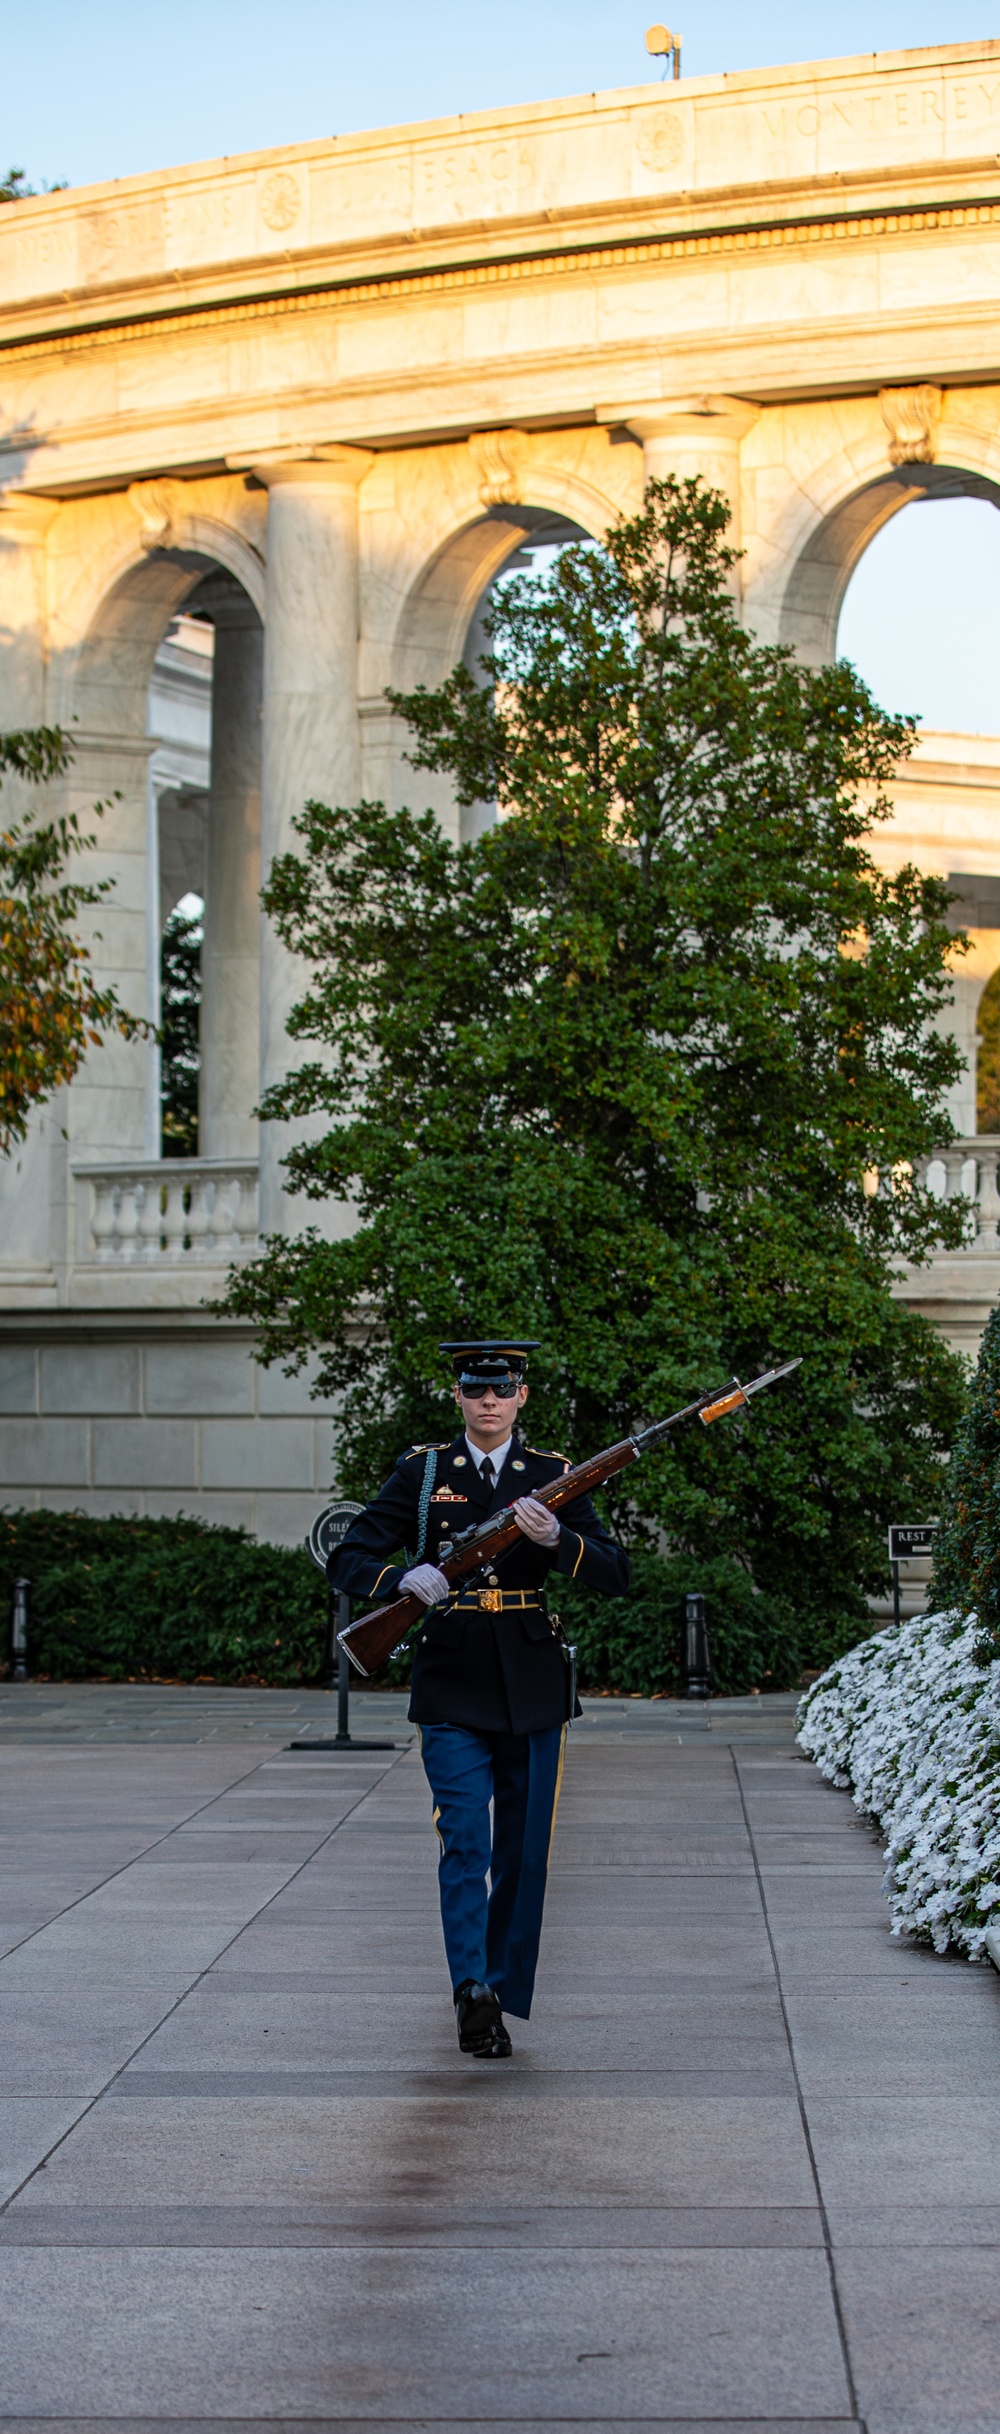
90, 1378
285, 1521
195, 1379
258, 1454
290, 1397
158, 1454
101, 1504
40, 1453
232, 1512
18, 1379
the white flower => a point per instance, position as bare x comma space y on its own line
910, 1723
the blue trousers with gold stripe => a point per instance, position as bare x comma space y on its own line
493, 1939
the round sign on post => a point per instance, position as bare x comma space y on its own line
328, 1532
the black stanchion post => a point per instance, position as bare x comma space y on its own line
329, 1529
19, 1632
895, 1591
697, 1661
343, 1672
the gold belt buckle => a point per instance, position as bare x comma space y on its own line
491, 1600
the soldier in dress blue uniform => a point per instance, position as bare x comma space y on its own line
490, 1691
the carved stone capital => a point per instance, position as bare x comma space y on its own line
705, 417
158, 506
911, 418
330, 464
498, 457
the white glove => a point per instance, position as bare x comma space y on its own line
537, 1522
425, 1582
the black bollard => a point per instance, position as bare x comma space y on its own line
19, 1632
696, 1658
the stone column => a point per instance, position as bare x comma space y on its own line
33, 1177
692, 435
230, 959
311, 740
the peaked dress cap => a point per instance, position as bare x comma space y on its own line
497, 1361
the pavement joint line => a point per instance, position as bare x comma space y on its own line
803, 2114
363, 1794
154, 1845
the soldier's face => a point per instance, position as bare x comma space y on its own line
489, 1417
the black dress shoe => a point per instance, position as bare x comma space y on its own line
480, 2022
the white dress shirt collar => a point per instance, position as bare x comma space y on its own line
498, 1456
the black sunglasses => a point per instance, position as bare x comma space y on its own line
474, 1389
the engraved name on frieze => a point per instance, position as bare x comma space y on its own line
43, 248
193, 218
481, 178
135, 228
974, 101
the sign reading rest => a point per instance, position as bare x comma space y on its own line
910, 1538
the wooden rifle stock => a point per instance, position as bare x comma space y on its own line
372, 1639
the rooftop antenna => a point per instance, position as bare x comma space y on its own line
662, 44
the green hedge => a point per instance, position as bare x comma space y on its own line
632, 1644
178, 1601
187, 1601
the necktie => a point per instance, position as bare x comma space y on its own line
486, 1474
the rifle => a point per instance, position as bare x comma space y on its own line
375, 1636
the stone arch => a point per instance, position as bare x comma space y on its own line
503, 492
437, 524
101, 695
441, 624
440, 612
822, 569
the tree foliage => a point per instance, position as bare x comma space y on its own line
180, 1053
620, 1073
967, 1550
51, 1010
14, 187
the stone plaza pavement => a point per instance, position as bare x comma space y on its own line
743, 2171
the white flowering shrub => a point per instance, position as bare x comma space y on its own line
910, 1722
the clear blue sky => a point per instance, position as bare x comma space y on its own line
100, 88
95, 89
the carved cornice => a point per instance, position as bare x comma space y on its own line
751, 237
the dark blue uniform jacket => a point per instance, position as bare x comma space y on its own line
492, 1672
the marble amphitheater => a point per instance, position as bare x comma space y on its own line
270, 428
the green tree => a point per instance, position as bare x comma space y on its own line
967, 1551
180, 1051
620, 1073
14, 187
50, 1008
988, 1058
